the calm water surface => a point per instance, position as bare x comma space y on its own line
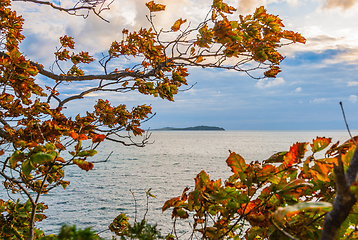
167, 166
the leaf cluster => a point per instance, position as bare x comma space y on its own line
285, 195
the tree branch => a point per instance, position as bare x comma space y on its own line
344, 200
89, 5
56, 7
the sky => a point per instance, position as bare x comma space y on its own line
315, 76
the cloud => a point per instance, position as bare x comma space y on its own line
265, 83
299, 89
352, 83
345, 4
353, 98
319, 100
248, 6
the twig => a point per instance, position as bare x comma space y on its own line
345, 120
282, 231
135, 206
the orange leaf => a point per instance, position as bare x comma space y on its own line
82, 137
238, 165
199, 59
296, 153
170, 203
154, 7
274, 70
74, 135
83, 164
98, 138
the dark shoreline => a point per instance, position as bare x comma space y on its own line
196, 128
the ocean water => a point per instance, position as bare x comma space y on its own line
167, 165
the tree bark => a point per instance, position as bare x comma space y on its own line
344, 200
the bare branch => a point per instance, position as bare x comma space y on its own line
88, 5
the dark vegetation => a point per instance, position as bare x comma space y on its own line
196, 128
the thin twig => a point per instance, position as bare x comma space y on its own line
135, 206
283, 231
345, 120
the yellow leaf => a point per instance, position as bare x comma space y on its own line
177, 24
154, 7
199, 59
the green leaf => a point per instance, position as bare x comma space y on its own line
276, 158
27, 167
16, 157
50, 146
320, 143
86, 153
41, 158
149, 194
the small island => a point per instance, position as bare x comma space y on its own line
196, 128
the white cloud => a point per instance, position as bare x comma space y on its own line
299, 89
353, 98
319, 100
265, 83
352, 83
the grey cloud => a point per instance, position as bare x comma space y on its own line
321, 38
345, 4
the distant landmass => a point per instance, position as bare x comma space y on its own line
197, 128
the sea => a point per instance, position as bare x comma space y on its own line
166, 165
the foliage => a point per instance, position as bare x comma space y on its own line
120, 226
36, 135
15, 219
72, 233
139, 230
284, 196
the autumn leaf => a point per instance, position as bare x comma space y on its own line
16, 157
170, 203
154, 7
82, 137
67, 41
238, 165
277, 157
320, 143
272, 72
177, 24
83, 164
296, 153
74, 135
199, 59
98, 138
